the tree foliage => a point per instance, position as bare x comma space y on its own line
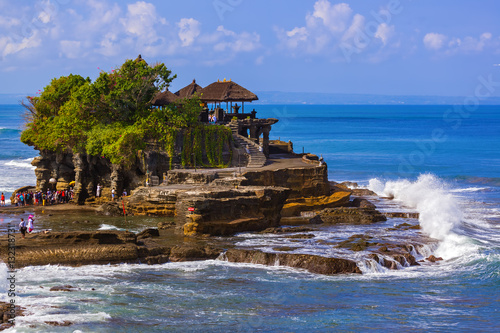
112, 117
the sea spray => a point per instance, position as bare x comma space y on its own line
440, 214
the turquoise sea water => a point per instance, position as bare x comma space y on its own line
441, 161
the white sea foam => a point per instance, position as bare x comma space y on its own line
109, 227
440, 213
469, 189
25, 163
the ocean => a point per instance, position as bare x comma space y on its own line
440, 161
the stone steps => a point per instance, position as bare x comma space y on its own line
256, 158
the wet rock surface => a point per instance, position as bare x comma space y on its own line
8, 314
311, 263
351, 215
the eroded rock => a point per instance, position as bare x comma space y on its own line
349, 215
311, 263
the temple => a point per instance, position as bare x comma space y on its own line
248, 131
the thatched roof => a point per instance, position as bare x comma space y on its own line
189, 90
226, 91
140, 59
164, 98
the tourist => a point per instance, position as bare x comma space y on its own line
247, 150
21, 199
30, 224
98, 192
113, 192
22, 227
215, 119
2, 200
124, 194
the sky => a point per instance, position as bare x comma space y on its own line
389, 47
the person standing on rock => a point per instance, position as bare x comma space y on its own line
98, 192
22, 228
113, 192
2, 200
30, 224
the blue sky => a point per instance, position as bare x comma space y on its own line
392, 47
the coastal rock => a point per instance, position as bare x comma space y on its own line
303, 182
165, 225
156, 260
182, 177
73, 248
225, 211
316, 220
193, 252
64, 288
351, 216
433, 258
406, 259
311, 263
110, 209
363, 192
59, 323
147, 233
294, 207
361, 203
9, 311
157, 201
402, 215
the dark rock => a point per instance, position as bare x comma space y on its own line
316, 220
59, 323
301, 236
351, 216
154, 260
402, 215
110, 209
147, 233
361, 203
383, 249
166, 225
193, 253
275, 230
433, 258
64, 288
298, 229
363, 192
406, 258
312, 263
285, 248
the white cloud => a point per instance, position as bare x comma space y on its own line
355, 31
434, 41
141, 21
10, 46
228, 40
336, 31
334, 17
455, 45
295, 36
384, 32
9, 22
189, 29
70, 48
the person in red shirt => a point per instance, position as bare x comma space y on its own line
2, 200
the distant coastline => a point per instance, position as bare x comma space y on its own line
280, 97
305, 98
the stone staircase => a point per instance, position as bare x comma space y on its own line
256, 158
